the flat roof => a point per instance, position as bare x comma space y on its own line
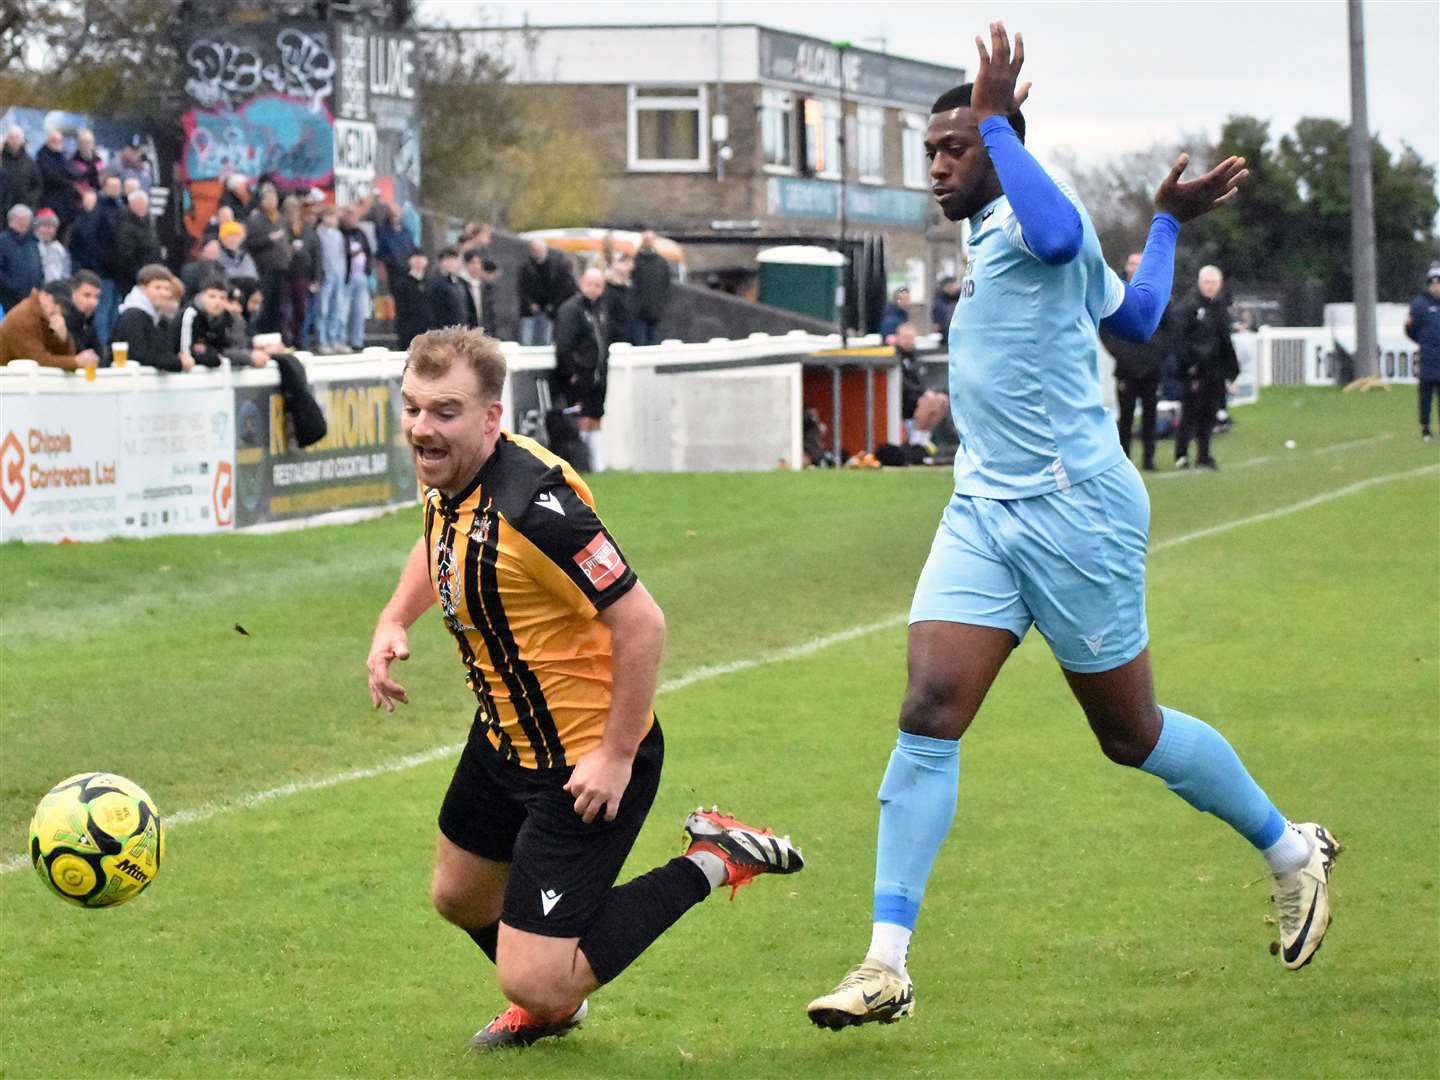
541, 27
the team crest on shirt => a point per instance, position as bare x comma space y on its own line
447, 585
600, 562
480, 529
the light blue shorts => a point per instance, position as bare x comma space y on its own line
1071, 562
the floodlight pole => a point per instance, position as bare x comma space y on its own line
842, 47
1362, 203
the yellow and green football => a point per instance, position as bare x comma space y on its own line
96, 839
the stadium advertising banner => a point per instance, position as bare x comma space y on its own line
94, 465
363, 460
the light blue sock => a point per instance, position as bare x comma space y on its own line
917, 805
1198, 764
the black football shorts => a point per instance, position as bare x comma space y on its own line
560, 868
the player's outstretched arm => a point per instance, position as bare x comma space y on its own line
412, 597
1049, 221
637, 639
1147, 295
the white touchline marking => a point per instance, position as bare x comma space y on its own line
1293, 508
702, 674
1265, 458
1353, 442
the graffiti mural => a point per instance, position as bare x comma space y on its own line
226, 73
307, 105
268, 136
259, 106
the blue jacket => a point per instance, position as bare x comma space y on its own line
1423, 327
892, 318
20, 269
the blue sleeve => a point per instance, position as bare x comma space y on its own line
1412, 323
1146, 297
1050, 222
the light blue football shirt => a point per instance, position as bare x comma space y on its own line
1024, 381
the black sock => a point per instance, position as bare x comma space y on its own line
487, 937
638, 912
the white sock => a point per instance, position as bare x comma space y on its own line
1290, 852
919, 438
711, 865
597, 450
890, 944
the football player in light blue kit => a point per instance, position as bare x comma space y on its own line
1048, 525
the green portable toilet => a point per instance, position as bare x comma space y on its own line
802, 278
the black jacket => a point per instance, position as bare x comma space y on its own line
582, 340
1137, 359
352, 236
619, 302
548, 283
149, 341
305, 258
90, 241
83, 332
912, 381
24, 175
208, 339
1202, 339
197, 272
57, 184
651, 281
268, 242
241, 210
447, 301
412, 307
135, 246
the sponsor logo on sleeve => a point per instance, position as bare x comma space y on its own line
600, 562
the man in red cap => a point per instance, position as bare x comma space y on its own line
54, 259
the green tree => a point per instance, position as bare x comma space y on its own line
1291, 221
121, 58
495, 152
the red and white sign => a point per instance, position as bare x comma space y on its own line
222, 495
84, 464
600, 562
12, 473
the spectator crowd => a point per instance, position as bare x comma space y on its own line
82, 268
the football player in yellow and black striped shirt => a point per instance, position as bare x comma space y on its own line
561, 646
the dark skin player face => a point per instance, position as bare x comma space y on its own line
961, 176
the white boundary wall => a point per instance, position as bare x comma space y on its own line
137, 452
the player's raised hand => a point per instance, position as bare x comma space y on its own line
1188, 199
389, 644
994, 93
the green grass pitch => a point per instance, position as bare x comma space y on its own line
1081, 921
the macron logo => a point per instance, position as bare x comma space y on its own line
548, 899
550, 501
1093, 642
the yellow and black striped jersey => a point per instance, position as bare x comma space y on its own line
522, 566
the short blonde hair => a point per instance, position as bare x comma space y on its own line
432, 353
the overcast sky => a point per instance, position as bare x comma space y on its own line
1108, 76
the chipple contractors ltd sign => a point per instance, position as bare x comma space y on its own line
59, 477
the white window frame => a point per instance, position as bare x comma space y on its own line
783, 103
698, 102
870, 126
912, 151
